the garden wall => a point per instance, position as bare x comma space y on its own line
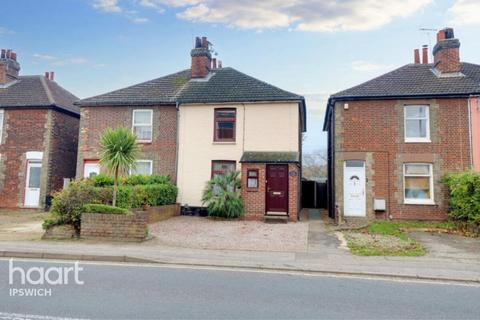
115, 227
160, 213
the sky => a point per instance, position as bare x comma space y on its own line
310, 47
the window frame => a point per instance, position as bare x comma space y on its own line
2, 121
143, 125
431, 200
91, 162
427, 125
146, 161
212, 172
256, 178
215, 135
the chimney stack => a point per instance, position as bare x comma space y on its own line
9, 67
425, 54
201, 58
416, 56
446, 53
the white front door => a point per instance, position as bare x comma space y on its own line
354, 188
32, 190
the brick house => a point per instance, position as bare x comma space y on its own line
202, 122
392, 139
38, 136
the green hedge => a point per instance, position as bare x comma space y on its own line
69, 204
103, 180
103, 208
464, 203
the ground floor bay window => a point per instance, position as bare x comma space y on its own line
418, 183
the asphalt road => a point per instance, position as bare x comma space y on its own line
148, 292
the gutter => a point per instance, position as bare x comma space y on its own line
177, 138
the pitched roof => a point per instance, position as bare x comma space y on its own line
417, 80
36, 91
162, 90
270, 157
230, 85
222, 85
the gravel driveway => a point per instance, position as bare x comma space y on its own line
205, 233
21, 225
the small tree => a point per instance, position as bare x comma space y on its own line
222, 196
118, 153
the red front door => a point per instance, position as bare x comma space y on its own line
277, 188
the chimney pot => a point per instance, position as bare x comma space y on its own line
4, 54
219, 64
416, 56
214, 63
52, 75
9, 52
14, 56
198, 42
425, 54
47, 75
204, 42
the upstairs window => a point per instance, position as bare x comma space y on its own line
225, 122
417, 124
143, 167
142, 125
418, 182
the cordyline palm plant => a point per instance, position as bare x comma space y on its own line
118, 153
222, 198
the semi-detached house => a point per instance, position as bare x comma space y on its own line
392, 139
38, 136
202, 122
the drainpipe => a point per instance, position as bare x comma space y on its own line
177, 138
470, 130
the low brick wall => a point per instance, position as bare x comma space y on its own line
160, 213
114, 227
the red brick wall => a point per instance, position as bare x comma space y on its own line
63, 149
376, 127
34, 130
254, 199
115, 227
162, 149
23, 130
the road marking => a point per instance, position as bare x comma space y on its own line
21, 316
324, 274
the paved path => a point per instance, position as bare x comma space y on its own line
133, 292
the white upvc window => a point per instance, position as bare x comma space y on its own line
418, 183
143, 167
142, 124
417, 123
1, 124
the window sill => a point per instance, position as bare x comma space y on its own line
224, 142
252, 189
144, 141
417, 141
421, 203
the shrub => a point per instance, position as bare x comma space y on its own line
141, 195
103, 208
68, 204
102, 180
464, 203
138, 179
222, 196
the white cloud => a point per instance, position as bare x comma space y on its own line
5, 31
107, 5
300, 15
465, 12
59, 62
365, 66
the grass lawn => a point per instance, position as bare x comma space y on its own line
387, 238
